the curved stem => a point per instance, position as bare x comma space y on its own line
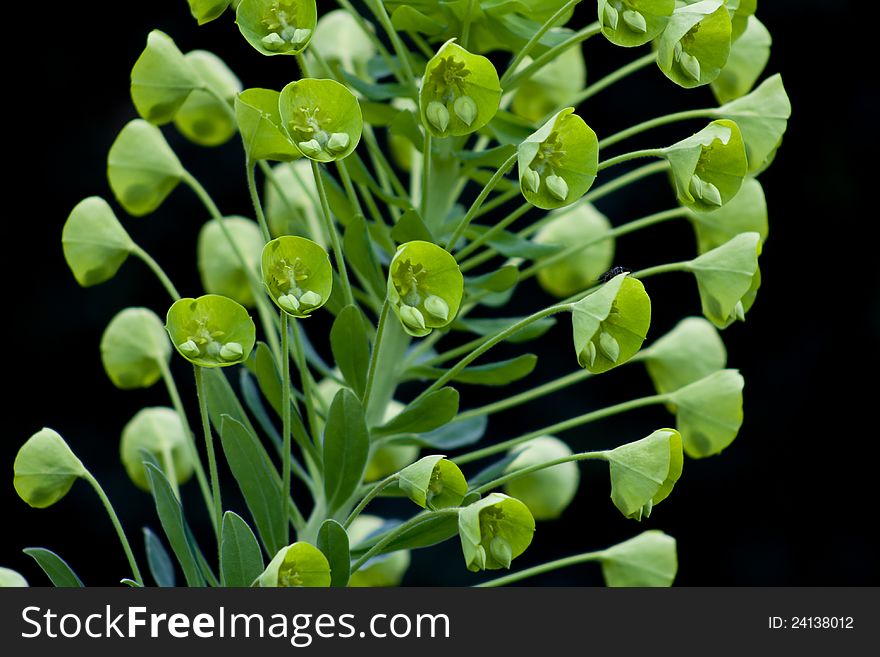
333, 233
626, 157
516, 474
209, 445
250, 167
374, 356
345, 177
369, 497
489, 234
541, 569
616, 76
578, 37
466, 25
655, 123
117, 525
662, 269
426, 173
157, 270
285, 415
379, 11
536, 37
397, 531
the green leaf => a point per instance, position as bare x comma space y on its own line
159, 432
433, 482
211, 331
494, 531
161, 79
142, 168
45, 469
488, 326
258, 480
259, 122
219, 266
205, 11
695, 45
512, 245
649, 559
61, 575
643, 473
254, 401
277, 27
95, 243
689, 352
431, 531
410, 227
409, 19
241, 561
333, 542
748, 58
500, 373
204, 118
171, 516
351, 347
297, 565
546, 492
134, 347
222, 400
341, 121
297, 274
744, 213
360, 255
740, 13
383, 570
450, 436
499, 280
346, 449
428, 413
709, 412
161, 566
10, 579
635, 22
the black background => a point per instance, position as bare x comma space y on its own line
792, 502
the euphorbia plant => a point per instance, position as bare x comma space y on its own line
389, 206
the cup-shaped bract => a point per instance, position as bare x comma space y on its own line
425, 287
211, 331
460, 92
297, 274
161, 79
277, 27
11, 579
631, 23
204, 11
45, 469
220, 269
580, 223
708, 168
494, 531
610, 325
259, 122
555, 85
748, 58
383, 570
728, 279
559, 162
744, 213
142, 168
135, 348
95, 243
696, 44
546, 492
643, 473
322, 118
740, 13
649, 559
690, 351
204, 118
433, 482
159, 432
709, 412
287, 204
298, 565
340, 39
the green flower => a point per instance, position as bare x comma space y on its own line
689, 352
159, 432
559, 162
433, 483
277, 27
211, 331
259, 122
425, 287
709, 412
204, 117
297, 274
162, 79
135, 349
649, 559
45, 469
11, 579
696, 44
546, 492
298, 565
460, 92
204, 11
494, 531
95, 243
643, 473
322, 118
220, 269
631, 23
384, 570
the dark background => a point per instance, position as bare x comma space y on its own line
792, 502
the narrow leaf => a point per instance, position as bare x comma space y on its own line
351, 347
161, 566
240, 559
346, 448
333, 542
430, 412
55, 568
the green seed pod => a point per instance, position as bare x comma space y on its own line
621, 312
433, 483
460, 92
696, 44
95, 243
384, 570
554, 85
298, 565
201, 328
277, 27
494, 531
161, 79
649, 559
10, 579
689, 352
340, 39
220, 269
142, 168
159, 432
204, 118
45, 469
559, 162
418, 272
709, 412
297, 274
546, 492
631, 23
644, 473
204, 11
259, 122
134, 348
319, 116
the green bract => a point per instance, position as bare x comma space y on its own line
649, 559
322, 118
161, 79
745, 213
689, 352
340, 39
204, 118
259, 122
709, 412
632, 23
45, 469
433, 483
728, 278
142, 168
580, 223
555, 85
297, 565
383, 570
708, 168
610, 324
135, 348
494, 531
425, 287
460, 92
696, 44
204, 11
95, 243
546, 492
741, 11
11, 579
643, 473
211, 331
219, 266
159, 432
277, 27
297, 274
558, 163
748, 58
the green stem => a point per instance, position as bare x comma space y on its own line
616, 76
334, 235
374, 356
498, 201
400, 49
578, 37
536, 38
371, 34
170, 470
308, 390
478, 202
209, 445
117, 525
345, 177
655, 123
466, 25
157, 270
662, 269
285, 415
559, 427
426, 173
255, 200
516, 474
492, 232
397, 531
626, 157
369, 497
541, 569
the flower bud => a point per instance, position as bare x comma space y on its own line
465, 109
532, 180
557, 187
438, 115
231, 351
338, 141
437, 307
635, 21
412, 317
